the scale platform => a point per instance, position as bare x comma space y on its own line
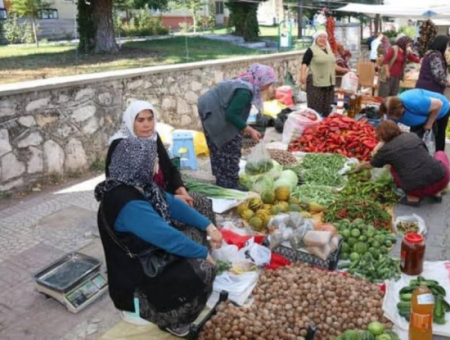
74, 280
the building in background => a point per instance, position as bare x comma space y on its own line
271, 12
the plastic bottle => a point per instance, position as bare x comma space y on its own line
340, 102
352, 107
421, 318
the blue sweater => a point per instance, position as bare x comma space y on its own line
140, 219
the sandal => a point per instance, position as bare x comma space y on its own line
404, 201
436, 199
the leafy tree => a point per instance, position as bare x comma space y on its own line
12, 29
96, 23
243, 16
31, 9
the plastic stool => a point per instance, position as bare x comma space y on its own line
183, 147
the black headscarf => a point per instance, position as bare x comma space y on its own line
440, 44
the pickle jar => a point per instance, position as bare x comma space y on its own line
412, 254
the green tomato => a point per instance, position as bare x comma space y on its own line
384, 337
346, 233
354, 257
344, 256
352, 241
345, 247
371, 232
356, 233
383, 250
362, 238
376, 328
375, 244
388, 244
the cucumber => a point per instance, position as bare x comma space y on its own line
406, 297
404, 305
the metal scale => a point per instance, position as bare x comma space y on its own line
74, 280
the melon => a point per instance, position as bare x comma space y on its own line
256, 223
254, 203
284, 206
282, 194
247, 214
268, 197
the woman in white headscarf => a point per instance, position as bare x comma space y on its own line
319, 74
136, 216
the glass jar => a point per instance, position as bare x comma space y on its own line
352, 107
412, 254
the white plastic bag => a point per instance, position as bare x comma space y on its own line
350, 82
259, 161
298, 122
239, 287
411, 218
430, 142
256, 253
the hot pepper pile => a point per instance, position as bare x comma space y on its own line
338, 134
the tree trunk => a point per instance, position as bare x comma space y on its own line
86, 27
299, 19
33, 22
105, 40
377, 23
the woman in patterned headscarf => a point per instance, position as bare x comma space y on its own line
394, 66
136, 215
223, 111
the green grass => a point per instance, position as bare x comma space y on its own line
20, 62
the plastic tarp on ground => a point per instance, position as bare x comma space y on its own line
422, 12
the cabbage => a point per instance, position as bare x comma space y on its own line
276, 171
290, 175
262, 183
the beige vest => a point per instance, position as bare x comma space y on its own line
322, 67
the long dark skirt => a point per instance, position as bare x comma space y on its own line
177, 296
319, 99
389, 88
225, 161
203, 205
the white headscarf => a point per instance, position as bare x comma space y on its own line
127, 127
319, 33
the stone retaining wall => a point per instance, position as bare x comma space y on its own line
62, 125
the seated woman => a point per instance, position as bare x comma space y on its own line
135, 215
417, 173
167, 177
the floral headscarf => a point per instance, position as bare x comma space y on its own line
134, 161
403, 42
258, 75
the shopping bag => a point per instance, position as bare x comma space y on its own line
430, 142
259, 161
284, 94
350, 82
298, 122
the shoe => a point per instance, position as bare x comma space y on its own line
404, 201
180, 332
436, 199
132, 319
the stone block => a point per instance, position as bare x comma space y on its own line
36, 161
63, 98
38, 104
11, 167
27, 121
47, 118
84, 94
12, 184
168, 103
33, 139
5, 147
136, 84
183, 107
185, 121
91, 126
75, 156
53, 157
106, 99
84, 113
7, 111
65, 130
196, 86
218, 77
191, 97
174, 89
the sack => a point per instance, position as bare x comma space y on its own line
350, 82
298, 122
412, 219
259, 161
430, 142
154, 261
284, 94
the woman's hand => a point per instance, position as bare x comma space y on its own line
210, 259
255, 135
303, 79
215, 236
182, 194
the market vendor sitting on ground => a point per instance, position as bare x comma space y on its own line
224, 111
136, 216
422, 111
167, 177
414, 170
319, 74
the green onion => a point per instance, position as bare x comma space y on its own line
213, 191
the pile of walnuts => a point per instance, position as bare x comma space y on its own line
290, 299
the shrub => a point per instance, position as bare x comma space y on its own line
143, 24
28, 34
410, 31
12, 30
185, 27
391, 33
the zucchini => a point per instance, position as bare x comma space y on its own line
404, 305
406, 290
406, 297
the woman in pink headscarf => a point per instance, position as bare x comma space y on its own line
223, 111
